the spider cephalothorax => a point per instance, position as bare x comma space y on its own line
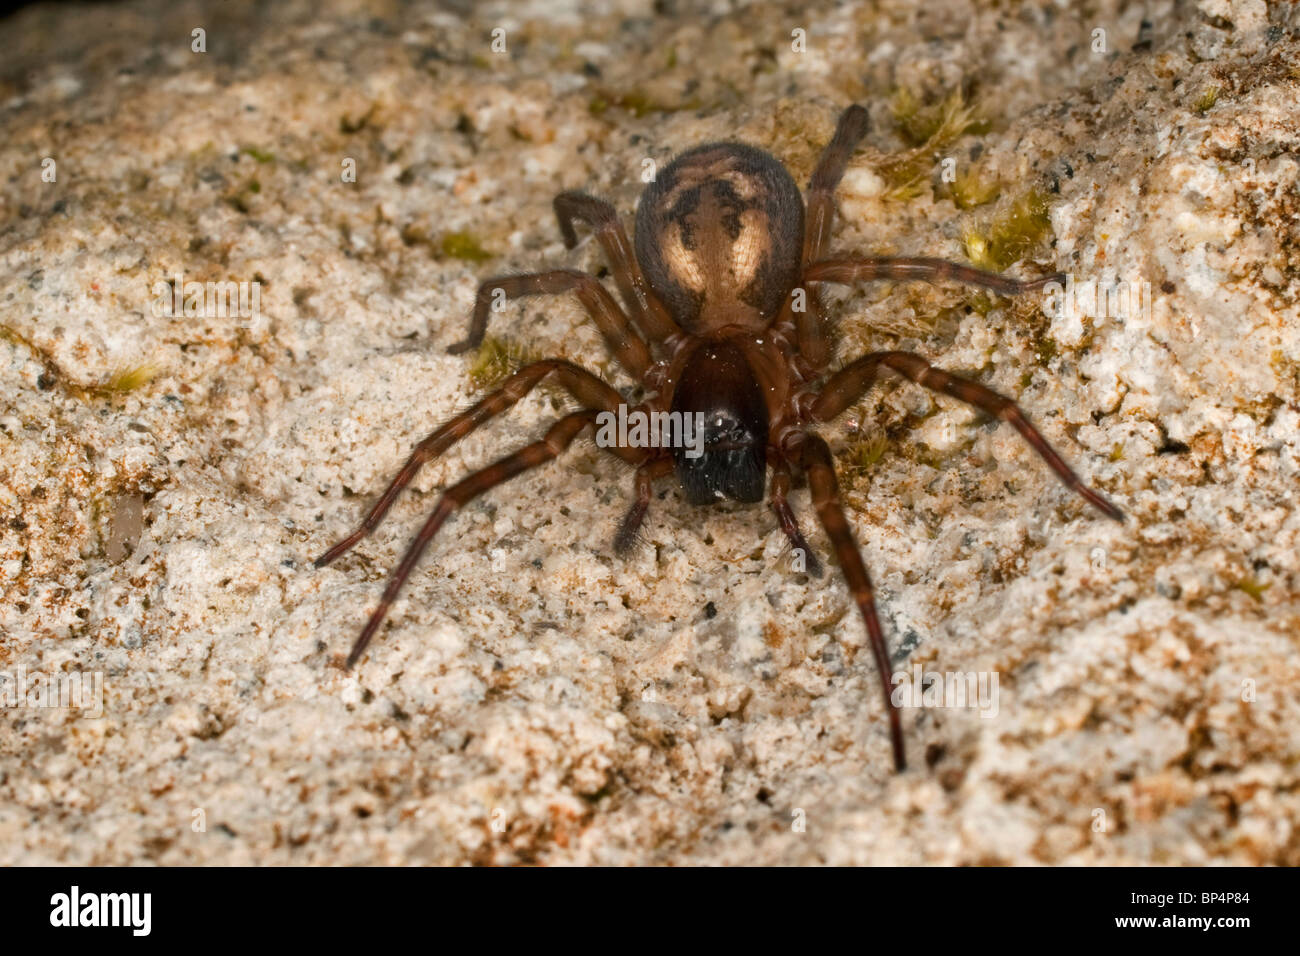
723, 330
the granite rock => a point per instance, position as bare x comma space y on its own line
166, 479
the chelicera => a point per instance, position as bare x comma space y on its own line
722, 320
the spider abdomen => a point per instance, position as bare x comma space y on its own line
717, 389
719, 234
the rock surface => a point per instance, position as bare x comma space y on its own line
167, 479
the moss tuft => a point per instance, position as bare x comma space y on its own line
1252, 586
862, 453
939, 122
128, 380
638, 104
260, 155
1011, 234
972, 188
497, 359
464, 245
929, 128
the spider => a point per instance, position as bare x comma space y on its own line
723, 322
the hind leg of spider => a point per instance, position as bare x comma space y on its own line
589, 390
866, 268
623, 340
815, 457
647, 311
631, 524
848, 385
777, 497
558, 437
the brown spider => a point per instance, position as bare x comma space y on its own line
715, 289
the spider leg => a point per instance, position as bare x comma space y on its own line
648, 312
558, 437
849, 384
589, 390
645, 475
815, 457
628, 347
852, 126
866, 268
811, 332
785, 515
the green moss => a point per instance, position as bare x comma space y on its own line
1287, 371
128, 380
937, 122
861, 454
972, 188
981, 303
464, 245
1253, 587
930, 128
907, 183
497, 359
1005, 239
638, 104
121, 382
260, 155
241, 199
1045, 348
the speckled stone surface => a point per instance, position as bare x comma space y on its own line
533, 698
